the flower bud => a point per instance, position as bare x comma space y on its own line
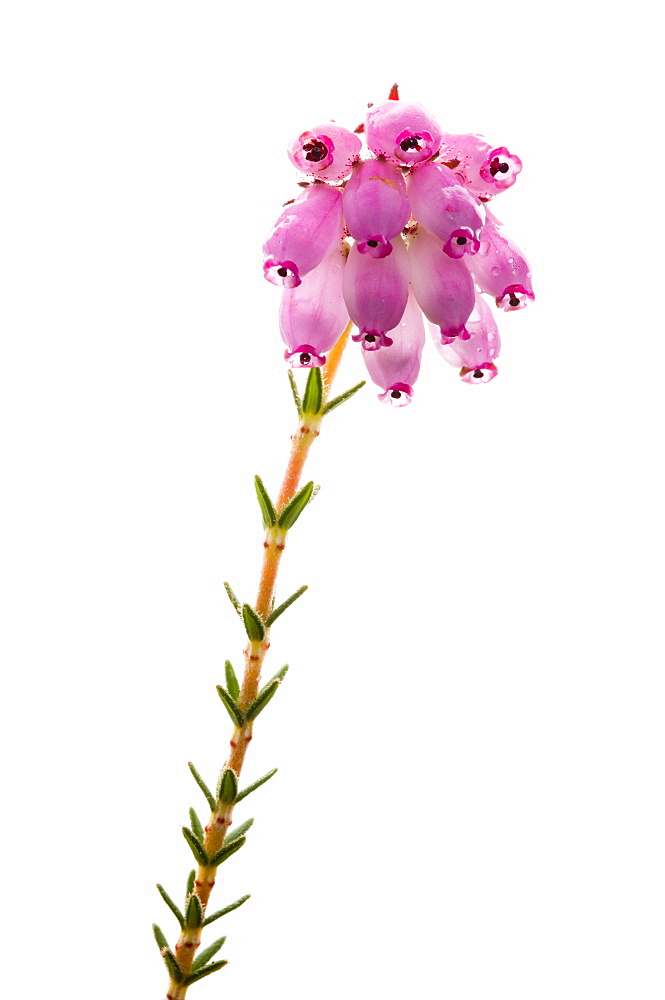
312, 316
442, 285
500, 268
326, 152
307, 231
395, 369
445, 208
375, 206
402, 132
482, 168
476, 355
375, 292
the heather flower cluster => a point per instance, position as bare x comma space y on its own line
393, 238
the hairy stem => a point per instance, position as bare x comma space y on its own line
254, 654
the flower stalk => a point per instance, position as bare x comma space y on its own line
214, 844
391, 237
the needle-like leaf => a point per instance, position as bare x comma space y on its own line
195, 845
256, 784
296, 506
265, 503
342, 398
232, 685
274, 615
311, 402
254, 627
225, 910
231, 707
207, 954
159, 936
202, 785
220, 856
171, 905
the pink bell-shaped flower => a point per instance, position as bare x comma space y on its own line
441, 284
375, 206
395, 369
500, 268
307, 231
312, 316
375, 292
484, 169
445, 208
476, 356
402, 132
326, 152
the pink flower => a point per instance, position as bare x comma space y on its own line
441, 284
476, 355
375, 206
312, 317
395, 369
482, 168
440, 203
406, 234
375, 292
402, 132
500, 268
326, 152
305, 233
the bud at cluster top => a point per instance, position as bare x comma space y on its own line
383, 236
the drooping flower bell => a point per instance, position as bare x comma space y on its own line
442, 285
312, 316
474, 357
326, 152
402, 132
500, 268
305, 233
375, 292
446, 209
484, 169
395, 369
376, 207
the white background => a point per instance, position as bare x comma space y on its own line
469, 801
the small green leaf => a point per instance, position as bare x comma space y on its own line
281, 674
274, 615
227, 786
295, 507
262, 699
171, 905
207, 954
311, 403
254, 627
342, 399
232, 597
194, 977
191, 879
220, 856
256, 784
227, 909
196, 824
238, 831
202, 785
159, 936
296, 394
173, 965
195, 845
265, 503
194, 912
231, 707
232, 685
